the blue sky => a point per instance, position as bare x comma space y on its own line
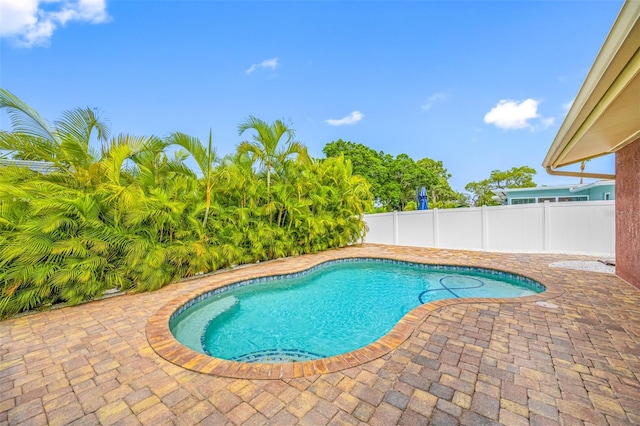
479, 85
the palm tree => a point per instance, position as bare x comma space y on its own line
205, 158
65, 143
128, 216
266, 147
62, 238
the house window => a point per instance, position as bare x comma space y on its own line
606, 196
575, 198
543, 199
523, 200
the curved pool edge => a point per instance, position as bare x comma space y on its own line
163, 342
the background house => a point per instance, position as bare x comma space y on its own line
43, 167
604, 119
596, 191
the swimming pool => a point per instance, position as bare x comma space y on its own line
332, 308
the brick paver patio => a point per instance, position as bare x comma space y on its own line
573, 359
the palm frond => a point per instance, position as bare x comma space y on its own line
205, 157
29, 147
24, 119
79, 123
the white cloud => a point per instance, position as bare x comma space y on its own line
436, 97
267, 64
352, 118
546, 122
32, 22
508, 114
567, 105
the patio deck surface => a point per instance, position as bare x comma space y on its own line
572, 360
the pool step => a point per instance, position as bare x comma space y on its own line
190, 329
274, 356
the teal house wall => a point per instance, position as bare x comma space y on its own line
596, 191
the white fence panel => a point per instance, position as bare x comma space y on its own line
515, 228
582, 230
460, 228
415, 228
381, 228
573, 228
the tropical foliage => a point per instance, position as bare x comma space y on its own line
516, 177
394, 179
131, 216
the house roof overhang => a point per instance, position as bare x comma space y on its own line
605, 115
504, 193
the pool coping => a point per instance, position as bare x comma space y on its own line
163, 342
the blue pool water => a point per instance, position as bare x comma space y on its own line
331, 309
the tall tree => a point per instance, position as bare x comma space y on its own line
403, 179
516, 177
366, 162
394, 180
433, 176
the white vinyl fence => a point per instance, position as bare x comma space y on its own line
570, 227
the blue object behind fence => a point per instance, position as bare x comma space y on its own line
423, 202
